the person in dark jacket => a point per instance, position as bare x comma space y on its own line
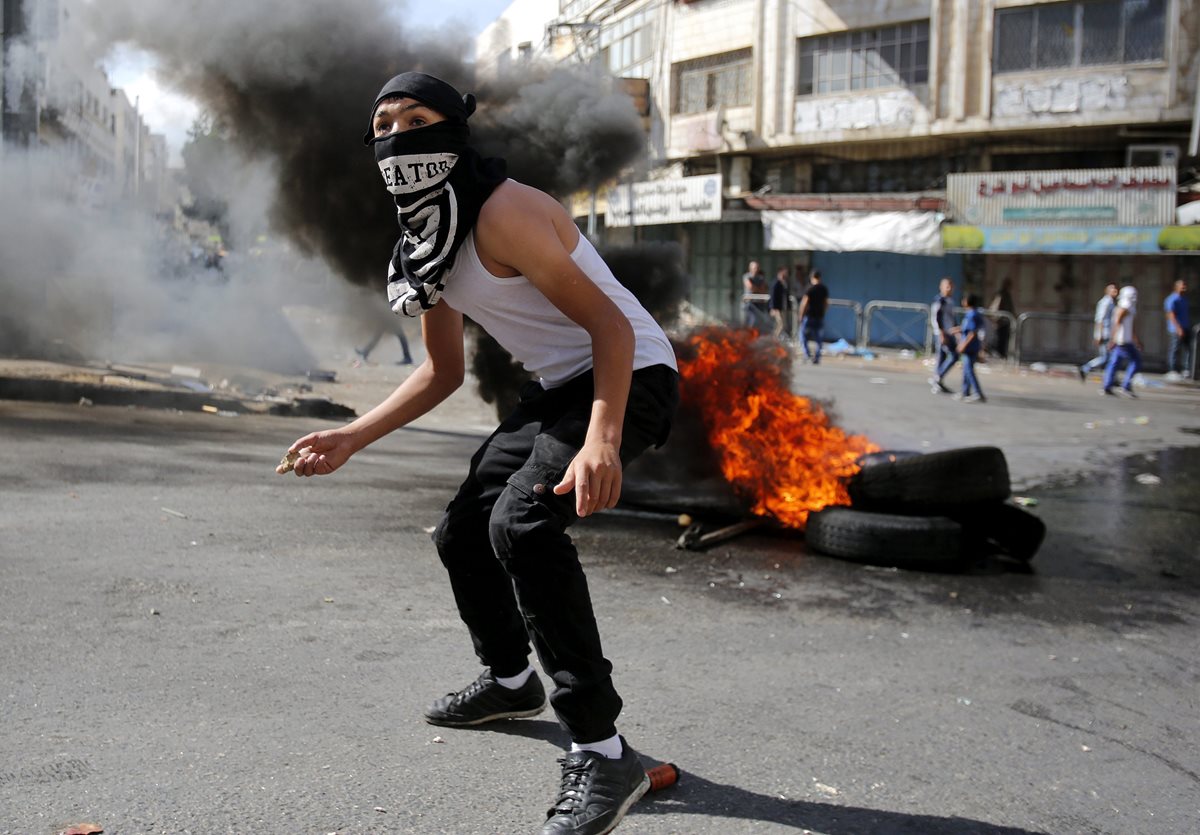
945, 334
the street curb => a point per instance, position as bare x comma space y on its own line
60, 391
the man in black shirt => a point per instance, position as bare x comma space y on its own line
812, 315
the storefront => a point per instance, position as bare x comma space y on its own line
1061, 236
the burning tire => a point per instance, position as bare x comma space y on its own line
886, 539
1013, 530
936, 482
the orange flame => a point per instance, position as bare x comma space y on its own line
776, 448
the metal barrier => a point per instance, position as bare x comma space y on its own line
756, 297
792, 323
907, 324
1013, 355
991, 316
899, 331
1073, 353
856, 310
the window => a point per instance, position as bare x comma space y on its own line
572, 8
628, 45
881, 176
892, 56
1079, 34
708, 83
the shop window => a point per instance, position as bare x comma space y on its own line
1080, 33
712, 82
884, 176
889, 56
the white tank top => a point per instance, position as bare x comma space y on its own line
549, 345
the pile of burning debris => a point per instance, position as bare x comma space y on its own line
783, 465
937, 510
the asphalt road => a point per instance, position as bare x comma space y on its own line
193, 644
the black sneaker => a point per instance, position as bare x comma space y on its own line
1082, 374
596, 792
486, 700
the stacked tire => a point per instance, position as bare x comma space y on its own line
935, 511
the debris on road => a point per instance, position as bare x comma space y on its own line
694, 540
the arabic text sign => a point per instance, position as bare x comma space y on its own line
1123, 196
684, 200
1080, 239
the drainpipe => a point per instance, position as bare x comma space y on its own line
1194, 141
759, 64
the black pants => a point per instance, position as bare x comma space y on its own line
514, 570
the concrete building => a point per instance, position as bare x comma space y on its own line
56, 98
830, 130
517, 35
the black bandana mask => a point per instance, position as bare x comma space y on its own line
439, 183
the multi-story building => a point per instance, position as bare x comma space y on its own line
829, 131
55, 97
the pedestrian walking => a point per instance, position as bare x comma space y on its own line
1179, 326
1124, 345
780, 303
605, 388
1002, 302
812, 316
755, 311
945, 334
396, 328
971, 343
1101, 331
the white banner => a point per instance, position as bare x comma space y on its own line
912, 233
683, 200
1077, 197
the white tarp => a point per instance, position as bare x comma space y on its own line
912, 233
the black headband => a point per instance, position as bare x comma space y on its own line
429, 91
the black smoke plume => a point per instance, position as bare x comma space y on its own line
293, 84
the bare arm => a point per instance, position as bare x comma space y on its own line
430, 383
530, 233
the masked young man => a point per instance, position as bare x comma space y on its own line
475, 243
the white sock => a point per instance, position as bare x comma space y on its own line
515, 682
610, 748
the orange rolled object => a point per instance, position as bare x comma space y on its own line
662, 776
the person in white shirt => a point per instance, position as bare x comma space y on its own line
1123, 345
605, 388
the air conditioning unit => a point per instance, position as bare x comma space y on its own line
1138, 156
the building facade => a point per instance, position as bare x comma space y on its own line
55, 98
835, 126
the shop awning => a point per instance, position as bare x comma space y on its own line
911, 233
